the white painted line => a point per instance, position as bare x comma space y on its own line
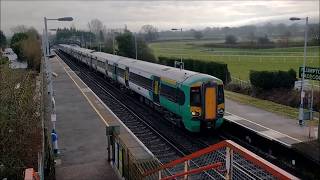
264, 134
273, 134
232, 118
85, 89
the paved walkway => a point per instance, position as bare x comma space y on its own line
270, 123
82, 139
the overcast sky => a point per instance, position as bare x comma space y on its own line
162, 14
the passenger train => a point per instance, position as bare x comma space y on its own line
196, 99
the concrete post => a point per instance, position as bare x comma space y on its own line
229, 162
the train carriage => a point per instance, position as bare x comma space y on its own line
196, 99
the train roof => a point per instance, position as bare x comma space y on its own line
168, 72
156, 69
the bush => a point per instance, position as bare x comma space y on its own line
16, 44
266, 80
27, 47
31, 50
230, 39
218, 70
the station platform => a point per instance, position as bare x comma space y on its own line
269, 125
82, 120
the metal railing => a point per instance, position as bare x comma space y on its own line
224, 160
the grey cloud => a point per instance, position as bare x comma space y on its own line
163, 14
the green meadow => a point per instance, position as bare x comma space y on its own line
240, 61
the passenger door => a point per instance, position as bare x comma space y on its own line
115, 71
155, 87
126, 76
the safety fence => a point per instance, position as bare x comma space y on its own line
224, 160
242, 83
125, 158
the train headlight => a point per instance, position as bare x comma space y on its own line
195, 113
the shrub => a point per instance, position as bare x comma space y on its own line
31, 50
230, 39
218, 70
266, 80
16, 44
27, 47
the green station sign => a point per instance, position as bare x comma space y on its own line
310, 73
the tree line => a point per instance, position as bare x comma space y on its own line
114, 41
246, 32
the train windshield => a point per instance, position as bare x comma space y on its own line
195, 96
220, 94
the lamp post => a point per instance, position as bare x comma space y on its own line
113, 48
301, 110
179, 29
47, 48
135, 45
46, 51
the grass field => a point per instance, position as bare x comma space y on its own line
240, 61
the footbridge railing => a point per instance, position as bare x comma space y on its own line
224, 160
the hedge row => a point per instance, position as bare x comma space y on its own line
218, 70
273, 79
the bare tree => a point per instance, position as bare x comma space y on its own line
19, 29
150, 32
95, 26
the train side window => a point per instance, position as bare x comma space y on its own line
220, 94
181, 96
141, 81
110, 67
195, 96
120, 72
168, 92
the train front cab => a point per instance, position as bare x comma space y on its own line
207, 104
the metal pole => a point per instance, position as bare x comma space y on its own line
46, 36
181, 47
181, 63
301, 120
50, 91
113, 48
135, 45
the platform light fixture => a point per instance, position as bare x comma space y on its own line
181, 63
301, 109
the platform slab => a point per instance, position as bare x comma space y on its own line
92, 113
82, 140
267, 124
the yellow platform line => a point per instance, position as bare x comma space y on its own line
91, 104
